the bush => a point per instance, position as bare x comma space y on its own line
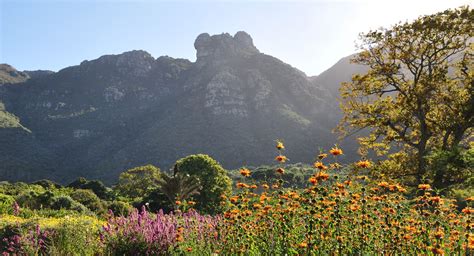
67, 203
138, 181
213, 178
96, 186
120, 208
89, 200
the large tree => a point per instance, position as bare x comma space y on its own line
213, 179
138, 181
417, 95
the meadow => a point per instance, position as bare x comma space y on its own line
340, 211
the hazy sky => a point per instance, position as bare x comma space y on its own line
309, 35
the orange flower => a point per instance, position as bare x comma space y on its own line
384, 184
439, 234
242, 185
322, 156
424, 186
363, 164
321, 176
313, 180
303, 245
320, 166
437, 251
281, 158
355, 207
280, 170
280, 145
335, 151
401, 189
234, 199
253, 186
191, 203
265, 186
189, 249
468, 210
177, 202
470, 242
435, 199
245, 172
257, 206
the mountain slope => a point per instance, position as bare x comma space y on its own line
118, 111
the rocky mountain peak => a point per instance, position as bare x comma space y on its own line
223, 46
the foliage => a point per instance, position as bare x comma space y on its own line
95, 185
89, 200
156, 201
213, 178
49, 236
120, 208
179, 187
418, 93
339, 211
47, 184
142, 233
138, 181
451, 166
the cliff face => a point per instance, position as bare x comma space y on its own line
118, 111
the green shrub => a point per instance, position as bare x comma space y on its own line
89, 200
67, 203
96, 186
120, 208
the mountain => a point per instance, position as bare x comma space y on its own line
340, 72
105, 115
9, 75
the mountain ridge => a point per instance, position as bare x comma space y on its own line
105, 115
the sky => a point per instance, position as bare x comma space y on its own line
309, 35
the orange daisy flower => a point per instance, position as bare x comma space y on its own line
245, 172
336, 151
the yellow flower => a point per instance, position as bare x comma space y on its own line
320, 166
322, 156
439, 234
424, 186
280, 145
363, 164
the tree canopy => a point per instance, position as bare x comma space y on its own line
213, 179
138, 181
417, 95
